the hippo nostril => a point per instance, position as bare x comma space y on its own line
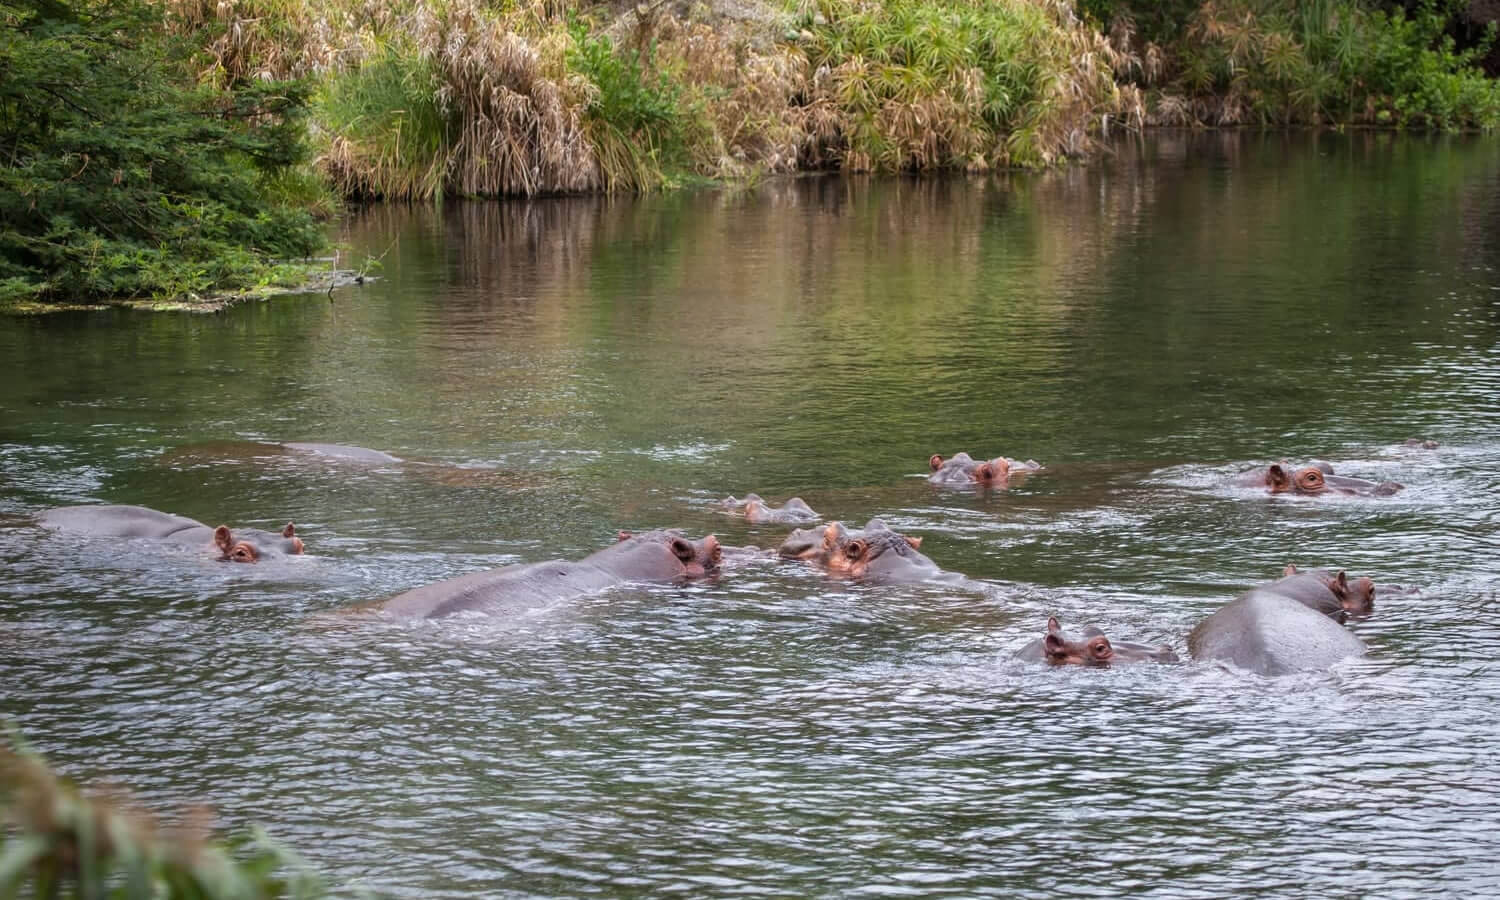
682, 549
855, 550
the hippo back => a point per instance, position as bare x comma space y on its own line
1271, 634
121, 521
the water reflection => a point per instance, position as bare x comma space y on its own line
557, 370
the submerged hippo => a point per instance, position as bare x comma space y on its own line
874, 551
1286, 626
652, 556
343, 453
1423, 443
794, 512
248, 545
1316, 477
962, 469
1092, 649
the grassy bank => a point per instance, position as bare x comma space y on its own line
1315, 62
186, 161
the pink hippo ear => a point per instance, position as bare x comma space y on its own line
1289, 570
1277, 478
1342, 582
831, 534
935, 462
916, 542
1053, 627
289, 531
622, 536
223, 539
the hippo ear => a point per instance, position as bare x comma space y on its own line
831, 534
1289, 570
622, 536
289, 531
1342, 581
223, 539
934, 462
1053, 627
916, 542
1276, 476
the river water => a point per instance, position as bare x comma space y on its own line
557, 370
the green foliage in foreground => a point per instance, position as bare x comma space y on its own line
59, 843
121, 176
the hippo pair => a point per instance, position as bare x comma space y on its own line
1313, 478
962, 469
245, 546
1290, 625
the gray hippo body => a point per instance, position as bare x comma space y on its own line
874, 552
962, 469
246, 545
528, 587
1270, 633
758, 512
1094, 648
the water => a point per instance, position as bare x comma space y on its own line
559, 370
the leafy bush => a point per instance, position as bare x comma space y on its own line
124, 177
63, 843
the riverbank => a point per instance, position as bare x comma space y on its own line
261, 116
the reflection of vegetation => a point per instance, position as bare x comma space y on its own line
122, 177
69, 844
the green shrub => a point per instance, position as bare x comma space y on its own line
59, 842
126, 178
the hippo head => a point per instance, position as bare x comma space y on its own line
1281, 478
251, 545
873, 551
689, 558
993, 472
1094, 650
1356, 595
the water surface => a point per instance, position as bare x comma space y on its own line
557, 370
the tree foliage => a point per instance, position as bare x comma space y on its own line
120, 175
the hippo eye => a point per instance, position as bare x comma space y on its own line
682, 549
855, 550
1101, 648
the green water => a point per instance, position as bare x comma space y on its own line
557, 370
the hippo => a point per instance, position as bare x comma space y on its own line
1316, 477
874, 552
794, 512
529, 587
1093, 649
246, 546
343, 453
1331, 593
1274, 630
1423, 443
963, 469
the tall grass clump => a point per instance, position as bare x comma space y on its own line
919, 84
123, 175
1273, 62
57, 841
